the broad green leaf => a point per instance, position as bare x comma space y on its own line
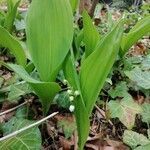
10, 17
134, 139
141, 78
69, 69
45, 90
83, 122
81, 115
8, 41
146, 112
125, 110
137, 32
49, 35
97, 66
74, 4
28, 140
91, 36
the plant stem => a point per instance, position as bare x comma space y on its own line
27, 127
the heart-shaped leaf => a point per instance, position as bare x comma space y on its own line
125, 110
28, 140
134, 139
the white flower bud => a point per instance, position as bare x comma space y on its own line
76, 93
71, 108
69, 92
71, 98
65, 81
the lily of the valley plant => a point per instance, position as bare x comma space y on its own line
49, 33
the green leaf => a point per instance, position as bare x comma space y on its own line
28, 140
146, 113
22, 112
68, 127
18, 90
49, 48
20, 24
146, 63
134, 139
45, 90
125, 110
83, 122
141, 78
62, 100
74, 4
143, 147
82, 117
15, 93
8, 41
137, 32
121, 90
69, 71
90, 33
78, 39
10, 17
100, 63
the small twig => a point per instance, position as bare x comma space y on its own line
27, 127
102, 113
75, 140
14, 108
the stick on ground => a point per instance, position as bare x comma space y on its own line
27, 127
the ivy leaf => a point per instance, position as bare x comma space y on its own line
20, 24
62, 100
146, 63
146, 113
28, 140
121, 90
134, 139
141, 78
144, 147
125, 110
18, 90
68, 127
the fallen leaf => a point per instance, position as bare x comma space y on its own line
125, 110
